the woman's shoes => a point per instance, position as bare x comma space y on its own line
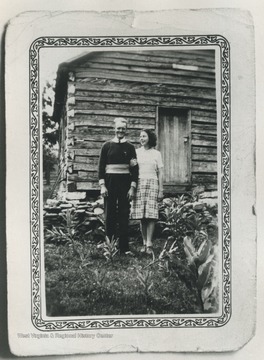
149, 250
146, 250
129, 253
143, 249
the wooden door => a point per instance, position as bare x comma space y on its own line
174, 145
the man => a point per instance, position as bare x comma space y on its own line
118, 174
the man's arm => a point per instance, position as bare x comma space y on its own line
102, 165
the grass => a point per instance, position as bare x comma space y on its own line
92, 285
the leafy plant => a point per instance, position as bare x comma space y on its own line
185, 222
99, 277
144, 277
50, 131
67, 233
110, 248
182, 215
165, 256
203, 264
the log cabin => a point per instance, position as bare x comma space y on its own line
172, 92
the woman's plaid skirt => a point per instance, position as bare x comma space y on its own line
145, 204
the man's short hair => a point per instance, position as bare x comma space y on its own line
120, 120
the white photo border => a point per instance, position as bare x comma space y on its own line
169, 321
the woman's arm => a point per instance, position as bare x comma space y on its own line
133, 167
134, 173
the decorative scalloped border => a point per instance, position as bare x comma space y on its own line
35, 134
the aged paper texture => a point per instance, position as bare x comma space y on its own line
165, 71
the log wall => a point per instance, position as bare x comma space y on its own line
104, 85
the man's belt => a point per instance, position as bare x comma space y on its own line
117, 169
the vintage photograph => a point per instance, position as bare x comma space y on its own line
130, 183
131, 218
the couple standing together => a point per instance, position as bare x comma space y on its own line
125, 175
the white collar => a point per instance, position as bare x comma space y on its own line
116, 140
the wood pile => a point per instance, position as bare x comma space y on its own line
83, 211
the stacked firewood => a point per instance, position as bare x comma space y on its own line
85, 211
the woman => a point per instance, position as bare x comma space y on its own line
149, 189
